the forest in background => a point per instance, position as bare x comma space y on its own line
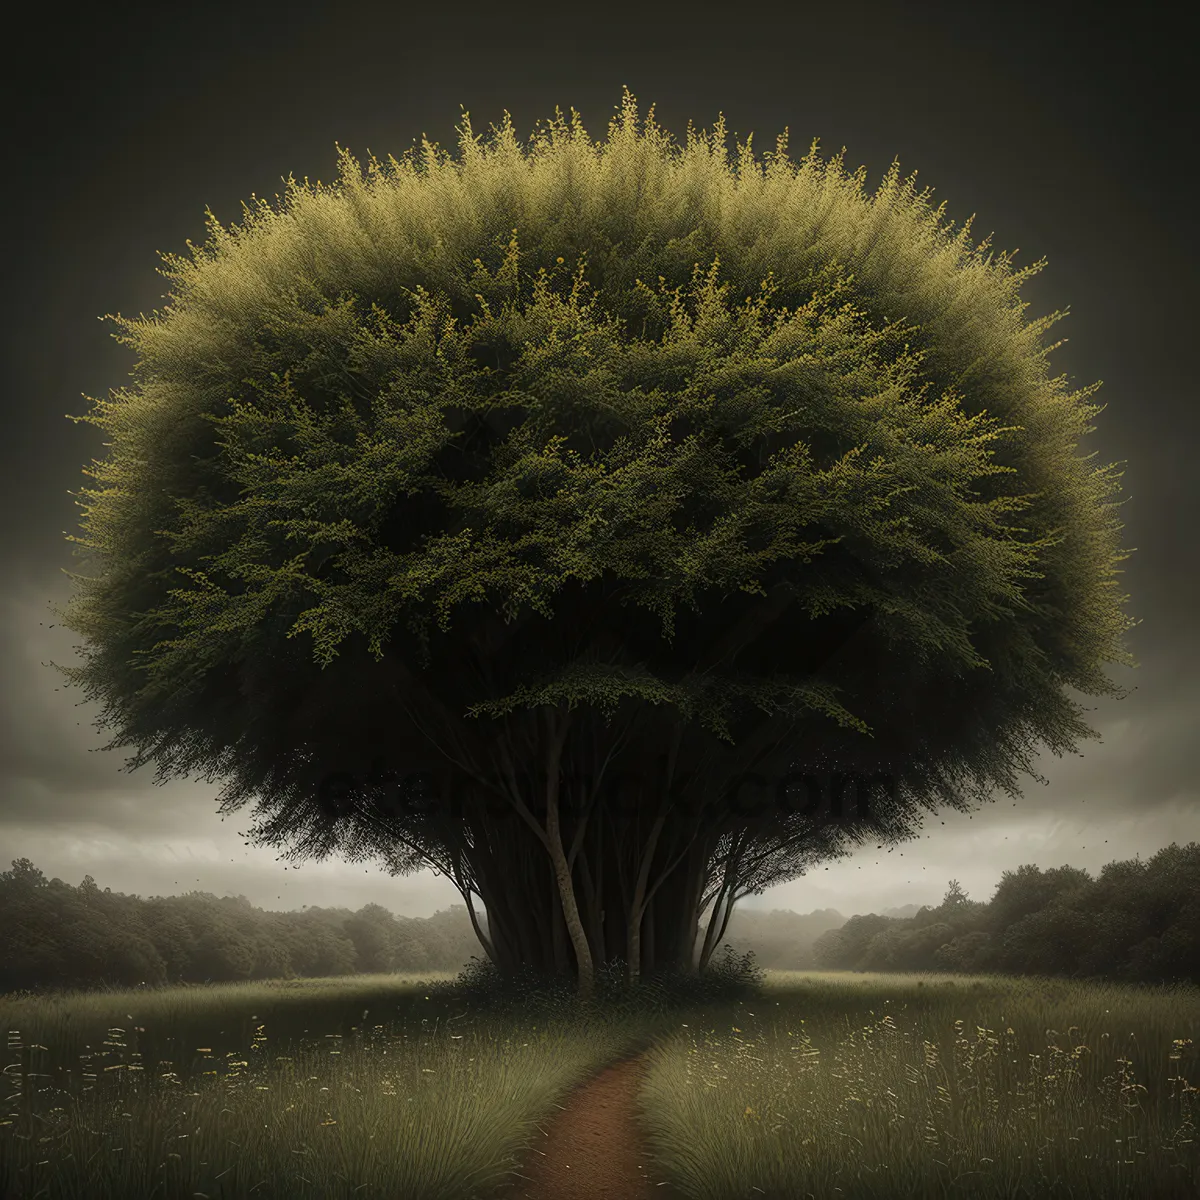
1138, 921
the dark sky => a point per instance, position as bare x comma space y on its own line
1069, 135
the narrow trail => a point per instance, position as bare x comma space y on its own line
592, 1149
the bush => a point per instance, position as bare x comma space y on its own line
735, 978
482, 985
727, 979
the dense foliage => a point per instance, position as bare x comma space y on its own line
1139, 921
596, 461
54, 936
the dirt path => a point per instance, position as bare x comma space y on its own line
592, 1149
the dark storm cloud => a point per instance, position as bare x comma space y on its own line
56, 773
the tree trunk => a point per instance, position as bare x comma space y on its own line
595, 911
637, 907
522, 909
561, 965
565, 873
710, 937
484, 941
562, 871
730, 901
466, 893
649, 940
688, 913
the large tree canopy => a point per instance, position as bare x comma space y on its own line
540, 466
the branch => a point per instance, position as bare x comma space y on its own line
510, 772
679, 858
614, 748
652, 840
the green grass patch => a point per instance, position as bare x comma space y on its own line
854, 1086
825, 1085
372, 1086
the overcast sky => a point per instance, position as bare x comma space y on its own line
1066, 139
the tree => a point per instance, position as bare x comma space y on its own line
24, 880
903, 947
1046, 942
372, 930
844, 948
584, 462
171, 935
224, 952
967, 953
1028, 890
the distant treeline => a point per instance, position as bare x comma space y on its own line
1139, 922
55, 936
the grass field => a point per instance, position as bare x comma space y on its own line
829, 1085
844, 1085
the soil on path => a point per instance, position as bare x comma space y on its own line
592, 1149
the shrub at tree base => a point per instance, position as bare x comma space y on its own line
729, 978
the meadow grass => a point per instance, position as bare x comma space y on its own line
828, 1085
844, 1085
368, 1086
